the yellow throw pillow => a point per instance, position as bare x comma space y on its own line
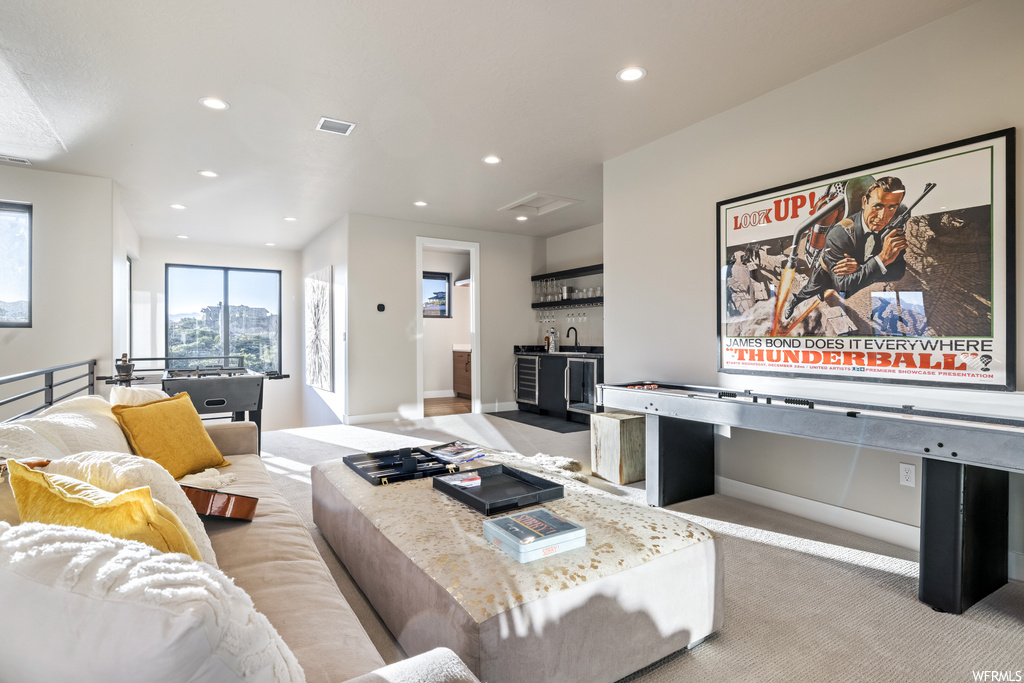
170, 432
132, 514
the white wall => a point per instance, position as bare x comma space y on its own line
72, 281
382, 346
125, 243
954, 78
329, 248
281, 398
440, 334
583, 247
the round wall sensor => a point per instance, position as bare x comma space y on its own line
380, 307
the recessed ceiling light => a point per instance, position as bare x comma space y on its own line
208, 174
214, 103
270, 244
291, 219
522, 218
492, 159
420, 203
179, 207
631, 73
182, 237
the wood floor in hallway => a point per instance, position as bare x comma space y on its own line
435, 407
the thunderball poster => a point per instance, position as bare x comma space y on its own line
898, 271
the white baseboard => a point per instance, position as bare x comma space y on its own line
439, 393
500, 407
376, 417
905, 535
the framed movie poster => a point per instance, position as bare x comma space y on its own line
898, 271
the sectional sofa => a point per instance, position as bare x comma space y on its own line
85, 606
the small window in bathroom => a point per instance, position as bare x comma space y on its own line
437, 288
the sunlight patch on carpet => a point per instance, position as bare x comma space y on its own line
287, 467
828, 551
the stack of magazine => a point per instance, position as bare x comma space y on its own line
534, 534
456, 451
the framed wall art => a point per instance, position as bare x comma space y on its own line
319, 330
899, 271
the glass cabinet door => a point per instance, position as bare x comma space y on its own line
582, 387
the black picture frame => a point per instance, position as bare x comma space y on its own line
931, 303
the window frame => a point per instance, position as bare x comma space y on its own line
131, 307
26, 209
225, 333
447, 277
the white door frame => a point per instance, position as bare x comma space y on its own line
474, 314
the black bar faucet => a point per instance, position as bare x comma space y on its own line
575, 336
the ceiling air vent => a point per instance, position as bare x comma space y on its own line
15, 160
538, 204
335, 126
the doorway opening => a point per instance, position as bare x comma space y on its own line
448, 357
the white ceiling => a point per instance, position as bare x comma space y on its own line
111, 87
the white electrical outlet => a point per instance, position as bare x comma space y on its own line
908, 475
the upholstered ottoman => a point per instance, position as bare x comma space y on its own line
647, 584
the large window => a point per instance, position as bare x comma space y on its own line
15, 265
224, 312
437, 289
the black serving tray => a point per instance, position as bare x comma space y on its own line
503, 488
388, 467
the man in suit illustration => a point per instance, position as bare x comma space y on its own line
857, 251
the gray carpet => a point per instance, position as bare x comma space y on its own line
804, 601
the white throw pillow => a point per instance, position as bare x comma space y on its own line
133, 396
80, 424
87, 607
116, 472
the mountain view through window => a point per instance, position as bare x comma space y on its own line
199, 324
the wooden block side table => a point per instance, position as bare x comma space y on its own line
618, 447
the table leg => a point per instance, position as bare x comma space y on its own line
680, 460
964, 534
